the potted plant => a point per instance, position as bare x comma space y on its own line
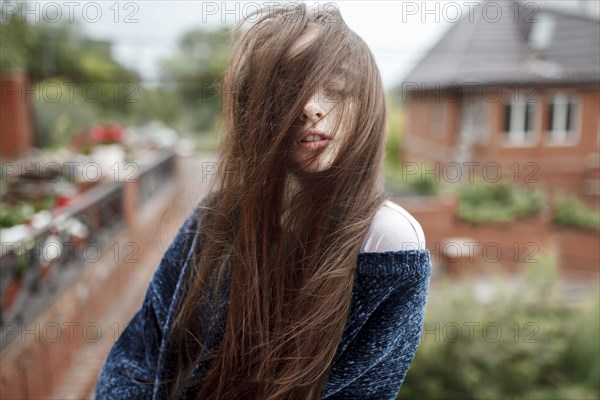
104, 145
108, 150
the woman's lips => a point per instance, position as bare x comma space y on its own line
316, 144
313, 140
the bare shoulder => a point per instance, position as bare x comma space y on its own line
393, 228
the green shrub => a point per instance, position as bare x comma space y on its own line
393, 180
527, 202
61, 114
11, 215
570, 211
482, 201
393, 141
427, 184
398, 181
523, 343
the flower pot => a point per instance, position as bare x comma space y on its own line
111, 159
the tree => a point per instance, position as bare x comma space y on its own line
196, 71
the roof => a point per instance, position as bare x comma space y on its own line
542, 46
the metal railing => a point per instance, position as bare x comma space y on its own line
39, 267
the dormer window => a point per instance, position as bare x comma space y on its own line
542, 32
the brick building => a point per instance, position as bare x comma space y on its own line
518, 88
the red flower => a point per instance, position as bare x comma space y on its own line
107, 134
61, 201
85, 140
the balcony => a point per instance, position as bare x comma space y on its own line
69, 288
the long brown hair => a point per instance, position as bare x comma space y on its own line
279, 243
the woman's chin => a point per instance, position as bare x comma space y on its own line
310, 167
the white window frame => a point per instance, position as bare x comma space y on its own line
564, 137
516, 136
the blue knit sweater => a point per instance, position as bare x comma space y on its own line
378, 344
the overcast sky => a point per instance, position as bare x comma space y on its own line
398, 32
140, 44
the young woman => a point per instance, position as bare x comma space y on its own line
296, 278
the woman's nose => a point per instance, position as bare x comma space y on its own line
312, 110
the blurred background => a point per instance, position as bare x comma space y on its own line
109, 125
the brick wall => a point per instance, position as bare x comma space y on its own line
16, 116
36, 364
501, 247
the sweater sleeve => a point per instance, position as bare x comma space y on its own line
130, 368
373, 365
